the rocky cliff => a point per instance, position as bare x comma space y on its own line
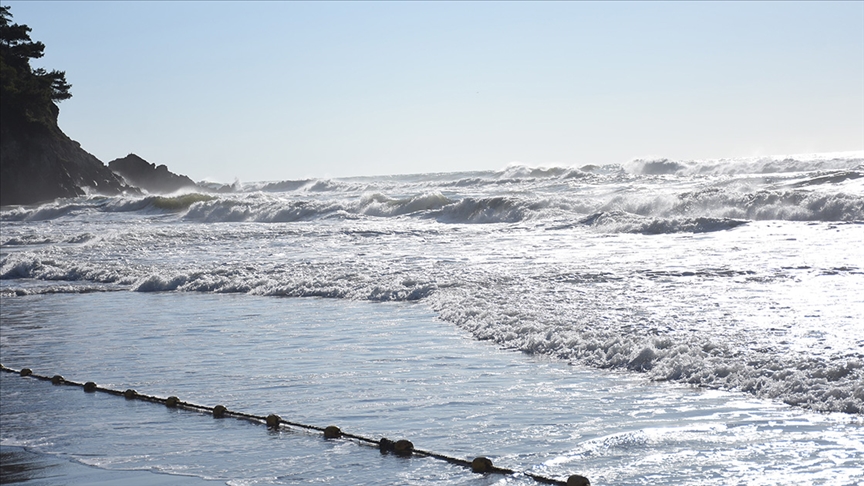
38, 162
150, 177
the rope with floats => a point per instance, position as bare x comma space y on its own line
401, 448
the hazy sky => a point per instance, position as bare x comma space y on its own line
272, 91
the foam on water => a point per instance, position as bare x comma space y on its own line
740, 275
390, 370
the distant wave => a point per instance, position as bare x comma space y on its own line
485, 210
517, 171
380, 205
749, 165
70, 208
46, 212
692, 211
307, 185
284, 186
25, 240
649, 196
619, 222
717, 202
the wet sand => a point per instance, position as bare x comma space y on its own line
19, 466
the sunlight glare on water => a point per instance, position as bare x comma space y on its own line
388, 370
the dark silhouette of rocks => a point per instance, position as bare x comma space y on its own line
38, 162
150, 177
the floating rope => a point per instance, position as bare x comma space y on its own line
403, 448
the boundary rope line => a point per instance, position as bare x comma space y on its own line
402, 448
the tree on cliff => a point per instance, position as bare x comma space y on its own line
26, 93
38, 162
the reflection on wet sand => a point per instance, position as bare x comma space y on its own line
18, 465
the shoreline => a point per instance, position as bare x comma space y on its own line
18, 465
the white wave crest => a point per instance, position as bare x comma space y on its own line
777, 164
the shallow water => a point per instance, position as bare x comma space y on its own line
18, 465
386, 369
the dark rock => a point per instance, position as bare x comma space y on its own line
150, 177
38, 162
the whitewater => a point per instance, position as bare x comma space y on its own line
733, 283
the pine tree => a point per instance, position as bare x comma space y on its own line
25, 93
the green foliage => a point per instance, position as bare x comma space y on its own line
26, 92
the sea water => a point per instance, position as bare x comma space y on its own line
660, 322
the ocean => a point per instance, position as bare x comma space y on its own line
655, 322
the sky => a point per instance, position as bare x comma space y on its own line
254, 91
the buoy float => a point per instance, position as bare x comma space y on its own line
332, 432
385, 445
172, 401
57, 379
26, 372
577, 480
481, 465
403, 448
273, 421
90, 387
130, 394
219, 411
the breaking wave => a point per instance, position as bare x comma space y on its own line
707, 209
514, 312
749, 165
620, 222
818, 188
